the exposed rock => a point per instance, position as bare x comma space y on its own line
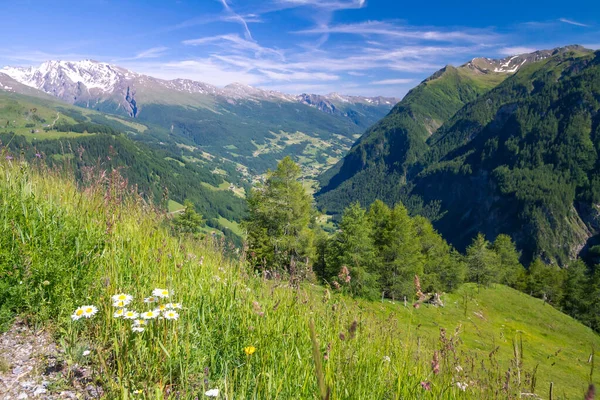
31, 363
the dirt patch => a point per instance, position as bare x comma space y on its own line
33, 366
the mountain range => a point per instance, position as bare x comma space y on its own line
248, 126
493, 146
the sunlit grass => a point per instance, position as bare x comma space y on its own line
238, 335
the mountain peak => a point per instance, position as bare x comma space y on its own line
512, 64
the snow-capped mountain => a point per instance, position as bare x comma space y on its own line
89, 83
511, 64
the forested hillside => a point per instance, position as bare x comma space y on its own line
91, 144
520, 159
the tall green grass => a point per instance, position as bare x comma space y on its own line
64, 245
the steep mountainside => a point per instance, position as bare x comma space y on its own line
396, 142
518, 159
250, 126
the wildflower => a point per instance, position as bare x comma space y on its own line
161, 308
140, 322
170, 314
435, 363
9, 158
458, 368
89, 311
78, 314
86, 353
131, 314
38, 155
386, 359
173, 306
119, 313
139, 391
462, 386
249, 350
212, 393
121, 298
591, 392
138, 329
426, 385
151, 299
149, 315
162, 293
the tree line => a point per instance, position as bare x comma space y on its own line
378, 252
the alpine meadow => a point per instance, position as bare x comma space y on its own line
299, 199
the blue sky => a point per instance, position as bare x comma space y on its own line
369, 47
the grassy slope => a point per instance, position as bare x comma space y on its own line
69, 248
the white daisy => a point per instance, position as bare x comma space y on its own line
89, 311
137, 329
140, 322
462, 386
163, 293
173, 306
161, 308
78, 314
149, 315
151, 299
212, 393
171, 314
119, 313
130, 314
86, 353
122, 297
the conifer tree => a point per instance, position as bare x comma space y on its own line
189, 221
280, 213
482, 261
401, 254
443, 269
511, 271
545, 281
352, 246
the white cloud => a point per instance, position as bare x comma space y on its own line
399, 81
571, 22
236, 17
153, 52
382, 28
331, 5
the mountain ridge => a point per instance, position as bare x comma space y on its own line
72, 81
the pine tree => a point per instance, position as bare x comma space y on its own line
278, 225
575, 300
189, 221
483, 263
545, 281
402, 258
511, 271
443, 269
352, 246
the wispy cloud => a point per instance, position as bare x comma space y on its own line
399, 81
332, 5
387, 29
154, 52
571, 22
232, 15
232, 41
